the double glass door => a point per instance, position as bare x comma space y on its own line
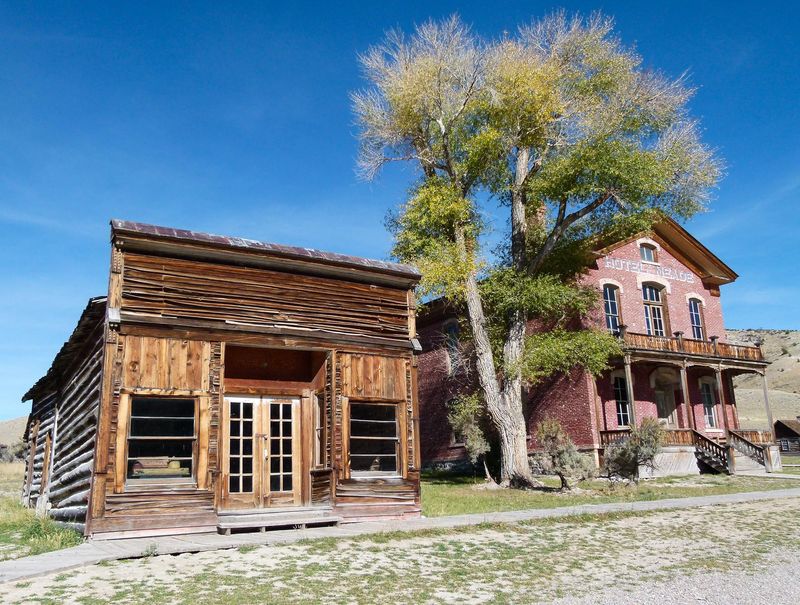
261, 457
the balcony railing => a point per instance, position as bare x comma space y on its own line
679, 344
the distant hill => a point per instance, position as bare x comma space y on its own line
782, 350
11, 430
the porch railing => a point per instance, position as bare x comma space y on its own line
671, 437
757, 436
746, 447
716, 454
706, 348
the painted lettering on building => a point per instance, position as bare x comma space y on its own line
639, 267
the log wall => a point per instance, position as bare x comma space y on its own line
67, 421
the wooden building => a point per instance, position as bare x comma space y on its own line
787, 432
225, 383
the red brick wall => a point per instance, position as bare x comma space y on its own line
644, 394
623, 265
571, 399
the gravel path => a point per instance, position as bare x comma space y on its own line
778, 582
745, 552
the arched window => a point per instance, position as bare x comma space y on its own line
621, 397
648, 253
655, 315
451, 331
611, 307
696, 318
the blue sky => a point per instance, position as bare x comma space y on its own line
237, 121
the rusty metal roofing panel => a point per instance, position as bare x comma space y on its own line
281, 250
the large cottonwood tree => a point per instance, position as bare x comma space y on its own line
563, 126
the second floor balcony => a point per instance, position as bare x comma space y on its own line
679, 346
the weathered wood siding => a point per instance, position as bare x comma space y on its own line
175, 289
67, 419
364, 377
160, 366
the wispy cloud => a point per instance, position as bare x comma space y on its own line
39, 221
724, 223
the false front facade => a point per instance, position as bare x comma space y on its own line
659, 293
230, 384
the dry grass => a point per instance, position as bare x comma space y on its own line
22, 533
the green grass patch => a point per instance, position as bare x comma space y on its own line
791, 459
444, 494
22, 533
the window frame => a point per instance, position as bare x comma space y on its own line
451, 331
398, 467
619, 386
700, 326
653, 253
191, 479
650, 306
320, 431
705, 381
614, 290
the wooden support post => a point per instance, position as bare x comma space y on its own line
685, 393
766, 405
629, 389
722, 398
723, 403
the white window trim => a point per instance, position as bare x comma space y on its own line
653, 279
611, 282
695, 295
648, 242
621, 374
713, 384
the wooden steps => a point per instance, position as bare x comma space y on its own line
263, 521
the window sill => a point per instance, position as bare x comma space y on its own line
143, 485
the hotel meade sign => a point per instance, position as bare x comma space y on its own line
649, 268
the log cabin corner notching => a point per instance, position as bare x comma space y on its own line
226, 383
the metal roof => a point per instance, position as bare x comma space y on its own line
266, 248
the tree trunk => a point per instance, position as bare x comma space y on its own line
504, 405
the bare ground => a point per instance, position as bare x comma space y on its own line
612, 558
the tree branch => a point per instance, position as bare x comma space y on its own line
562, 224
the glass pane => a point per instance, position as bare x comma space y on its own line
247, 428
373, 463
247, 484
287, 464
233, 485
247, 447
158, 427
275, 483
235, 409
275, 465
287, 411
235, 447
234, 466
372, 446
169, 407
275, 446
235, 428
247, 410
159, 459
247, 465
274, 411
287, 483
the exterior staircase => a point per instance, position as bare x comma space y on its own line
710, 453
272, 519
